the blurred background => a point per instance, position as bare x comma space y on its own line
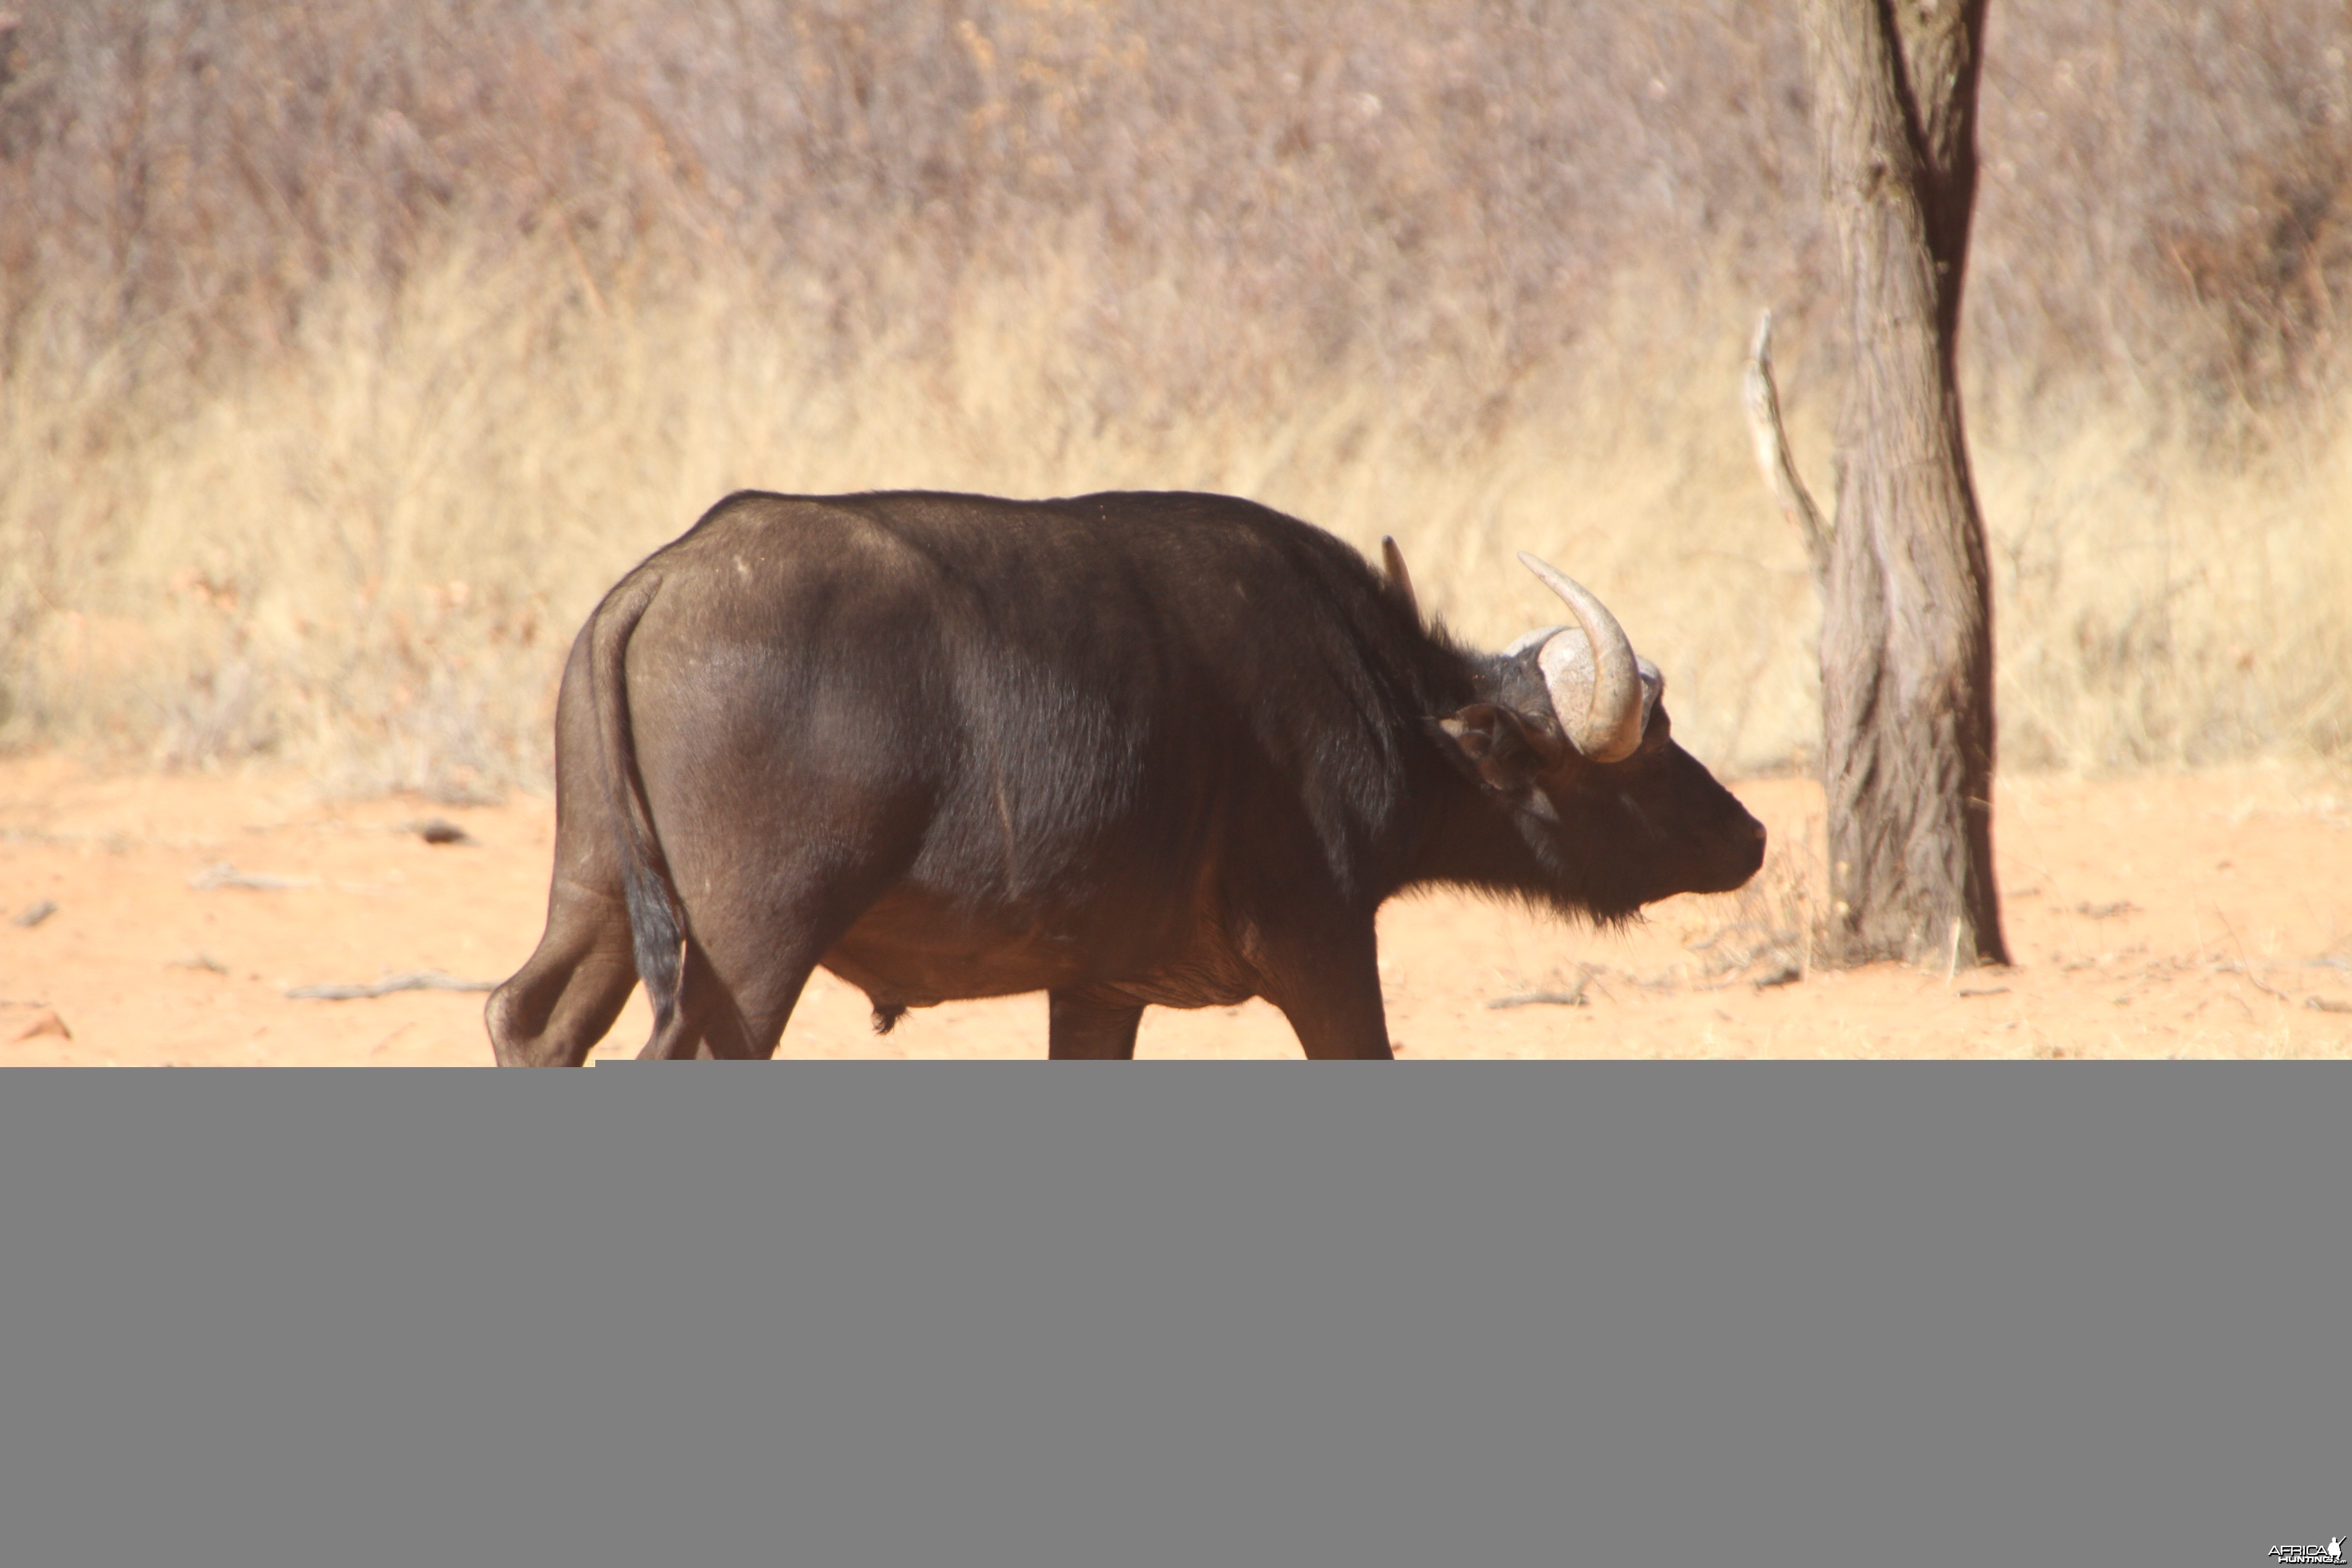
349, 351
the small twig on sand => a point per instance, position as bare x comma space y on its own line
223, 875
1572, 997
2244, 968
36, 913
415, 980
2256, 980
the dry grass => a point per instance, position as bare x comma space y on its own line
327, 410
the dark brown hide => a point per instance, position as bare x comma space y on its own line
1130, 750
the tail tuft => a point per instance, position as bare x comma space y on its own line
657, 937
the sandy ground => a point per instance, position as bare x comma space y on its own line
2202, 915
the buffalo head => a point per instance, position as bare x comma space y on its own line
1571, 737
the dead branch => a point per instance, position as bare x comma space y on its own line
416, 980
1772, 454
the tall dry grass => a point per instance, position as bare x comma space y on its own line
351, 350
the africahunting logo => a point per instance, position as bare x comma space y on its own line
2331, 1552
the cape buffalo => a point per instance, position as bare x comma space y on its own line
1125, 749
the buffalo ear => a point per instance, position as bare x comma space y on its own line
1506, 749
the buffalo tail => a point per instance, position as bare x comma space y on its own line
656, 924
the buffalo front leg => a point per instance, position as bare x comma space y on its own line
567, 994
1327, 981
1085, 1025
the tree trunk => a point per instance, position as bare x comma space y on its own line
1907, 625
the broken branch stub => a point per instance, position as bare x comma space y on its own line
1773, 457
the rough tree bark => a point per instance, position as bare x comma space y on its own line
1906, 622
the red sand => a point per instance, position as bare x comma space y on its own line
2205, 915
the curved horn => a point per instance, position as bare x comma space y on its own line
1394, 560
1612, 727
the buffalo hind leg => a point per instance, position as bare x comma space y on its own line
703, 1010
567, 994
1086, 1025
745, 967
717, 1020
